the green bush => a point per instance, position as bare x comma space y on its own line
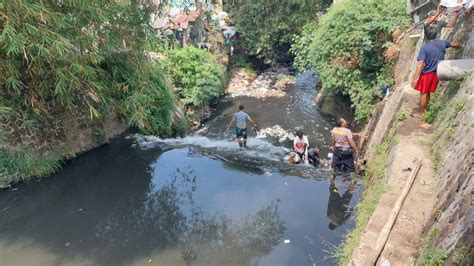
197, 78
347, 49
241, 60
300, 46
463, 256
144, 98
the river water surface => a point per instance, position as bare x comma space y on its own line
199, 200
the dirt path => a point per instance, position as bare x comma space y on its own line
406, 235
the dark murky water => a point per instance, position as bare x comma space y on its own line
193, 201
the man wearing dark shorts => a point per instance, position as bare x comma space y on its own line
425, 79
344, 148
240, 118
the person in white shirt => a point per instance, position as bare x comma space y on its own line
301, 146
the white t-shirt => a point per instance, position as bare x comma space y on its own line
298, 143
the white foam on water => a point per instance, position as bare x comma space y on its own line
257, 148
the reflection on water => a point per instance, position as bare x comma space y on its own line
169, 217
120, 205
339, 209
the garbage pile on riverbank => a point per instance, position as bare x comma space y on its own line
271, 83
276, 132
241, 79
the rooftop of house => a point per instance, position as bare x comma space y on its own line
179, 20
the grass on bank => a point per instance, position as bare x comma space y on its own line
22, 164
430, 255
375, 185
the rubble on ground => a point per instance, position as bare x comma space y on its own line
241, 78
270, 83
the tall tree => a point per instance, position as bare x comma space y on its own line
267, 26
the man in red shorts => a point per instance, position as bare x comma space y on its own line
425, 79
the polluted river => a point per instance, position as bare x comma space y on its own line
197, 200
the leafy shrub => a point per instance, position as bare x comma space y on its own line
180, 127
300, 46
149, 110
347, 49
143, 96
401, 115
463, 256
197, 78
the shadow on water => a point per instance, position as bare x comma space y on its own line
198, 200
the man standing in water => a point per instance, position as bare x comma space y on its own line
344, 148
240, 118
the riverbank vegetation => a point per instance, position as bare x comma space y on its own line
347, 47
69, 66
196, 76
267, 28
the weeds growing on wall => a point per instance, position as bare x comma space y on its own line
347, 47
433, 257
463, 256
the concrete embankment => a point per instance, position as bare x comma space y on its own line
435, 221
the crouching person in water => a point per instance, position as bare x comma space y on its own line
313, 155
344, 148
301, 146
240, 118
